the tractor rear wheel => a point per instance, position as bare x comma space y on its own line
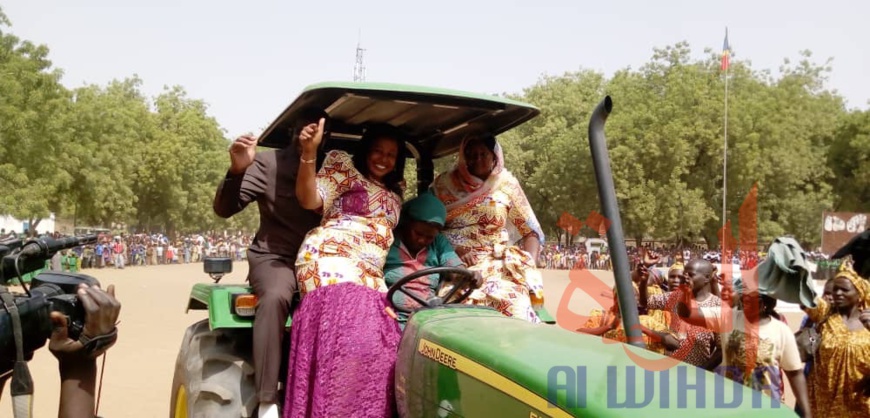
214, 374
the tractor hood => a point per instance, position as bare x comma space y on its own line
481, 364
434, 119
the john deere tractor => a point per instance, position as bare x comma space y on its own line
454, 360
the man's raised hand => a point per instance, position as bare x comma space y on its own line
242, 153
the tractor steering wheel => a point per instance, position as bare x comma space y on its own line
466, 281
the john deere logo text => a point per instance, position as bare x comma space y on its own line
435, 353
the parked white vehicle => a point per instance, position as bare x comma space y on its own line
595, 245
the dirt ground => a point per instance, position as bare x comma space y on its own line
138, 371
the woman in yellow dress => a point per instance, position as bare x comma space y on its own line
840, 379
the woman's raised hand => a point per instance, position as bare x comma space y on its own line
311, 136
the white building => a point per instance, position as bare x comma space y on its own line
9, 223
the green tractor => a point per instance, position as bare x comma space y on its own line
454, 360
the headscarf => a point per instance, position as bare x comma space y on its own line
463, 186
861, 286
674, 267
425, 208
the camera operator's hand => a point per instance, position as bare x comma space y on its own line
99, 333
77, 359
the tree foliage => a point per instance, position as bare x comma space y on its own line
788, 135
108, 154
849, 158
32, 108
105, 155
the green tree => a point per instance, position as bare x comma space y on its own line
181, 166
666, 141
849, 158
549, 155
108, 154
110, 126
784, 127
32, 108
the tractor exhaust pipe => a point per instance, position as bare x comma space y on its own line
615, 235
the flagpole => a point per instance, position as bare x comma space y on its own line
725, 148
725, 154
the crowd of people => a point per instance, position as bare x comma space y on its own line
733, 328
364, 239
556, 257
125, 250
560, 257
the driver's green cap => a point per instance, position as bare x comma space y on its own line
425, 208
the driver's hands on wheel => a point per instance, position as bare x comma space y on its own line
478, 280
476, 283
456, 285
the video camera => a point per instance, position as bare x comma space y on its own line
49, 292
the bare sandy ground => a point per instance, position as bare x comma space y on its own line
138, 372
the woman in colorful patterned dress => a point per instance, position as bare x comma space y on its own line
345, 337
840, 379
483, 201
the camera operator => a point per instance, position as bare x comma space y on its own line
77, 360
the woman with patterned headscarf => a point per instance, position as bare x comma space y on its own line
840, 380
675, 277
661, 286
484, 201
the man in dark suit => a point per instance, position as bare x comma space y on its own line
269, 178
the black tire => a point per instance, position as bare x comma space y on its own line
215, 371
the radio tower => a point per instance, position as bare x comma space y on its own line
359, 69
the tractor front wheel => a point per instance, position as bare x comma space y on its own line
214, 374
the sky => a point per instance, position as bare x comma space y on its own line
249, 60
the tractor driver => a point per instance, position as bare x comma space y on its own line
269, 178
419, 245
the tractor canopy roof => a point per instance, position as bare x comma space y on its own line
434, 119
